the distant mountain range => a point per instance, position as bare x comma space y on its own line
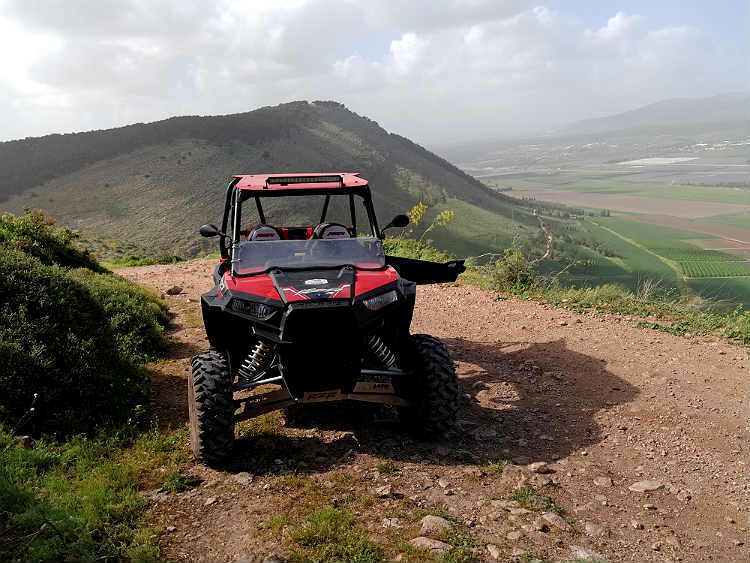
153, 184
723, 108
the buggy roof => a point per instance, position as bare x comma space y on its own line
312, 181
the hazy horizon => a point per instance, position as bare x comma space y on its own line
470, 70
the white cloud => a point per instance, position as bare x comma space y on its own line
472, 68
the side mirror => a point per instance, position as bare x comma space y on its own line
210, 231
398, 221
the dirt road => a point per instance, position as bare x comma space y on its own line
605, 404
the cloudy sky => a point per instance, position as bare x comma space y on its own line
434, 70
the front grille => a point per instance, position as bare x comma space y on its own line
324, 348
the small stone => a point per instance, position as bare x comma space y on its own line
738, 543
519, 511
540, 467
730, 520
434, 525
518, 552
557, 521
174, 290
384, 492
210, 501
497, 515
241, 478
649, 506
435, 547
514, 536
684, 496
656, 546
596, 530
636, 524
442, 483
538, 525
391, 523
583, 554
171, 529
646, 486
603, 481
563, 323
494, 552
504, 504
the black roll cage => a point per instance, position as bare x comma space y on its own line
235, 197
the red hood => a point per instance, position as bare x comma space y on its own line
263, 285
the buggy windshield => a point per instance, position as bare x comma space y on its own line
260, 256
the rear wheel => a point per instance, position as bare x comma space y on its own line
211, 407
433, 389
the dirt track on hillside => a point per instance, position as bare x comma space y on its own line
591, 394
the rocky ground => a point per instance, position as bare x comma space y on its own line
580, 437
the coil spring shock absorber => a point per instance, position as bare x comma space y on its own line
256, 360
381, 352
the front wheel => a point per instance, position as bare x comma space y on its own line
433, 389
211, 407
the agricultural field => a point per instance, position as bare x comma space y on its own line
706, 269
685, 252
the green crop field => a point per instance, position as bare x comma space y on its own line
703, 269
738, 220
683, 252
616, 186
638, 230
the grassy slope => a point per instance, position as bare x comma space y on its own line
156, 196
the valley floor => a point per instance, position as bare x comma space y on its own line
604, 403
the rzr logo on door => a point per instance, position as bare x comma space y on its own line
316, 281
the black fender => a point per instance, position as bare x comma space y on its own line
423, 271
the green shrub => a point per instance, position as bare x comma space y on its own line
36, 234
409, 248
513, 273
57, 341
136, 317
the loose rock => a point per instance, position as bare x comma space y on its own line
557, 521
514, 536
384, 492
242, 478
494, 552
435, 547
540, 467
596, 530
603, 481
210, 501
645, 486
174, 290
171, 529
583, 554
391, 523
434, 525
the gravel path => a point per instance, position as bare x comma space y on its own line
645, 437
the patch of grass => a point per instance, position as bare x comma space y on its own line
276, 522
531, 555
462, 544
388, 467
496, 467
79, 500
531, 498
330, 534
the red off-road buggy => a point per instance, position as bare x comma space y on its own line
318, 311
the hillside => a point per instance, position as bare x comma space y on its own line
153, 184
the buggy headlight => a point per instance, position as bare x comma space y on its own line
260, 311
380, 301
